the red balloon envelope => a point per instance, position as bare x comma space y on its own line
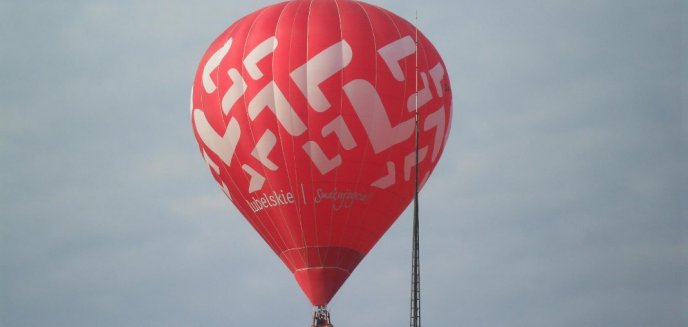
305, 114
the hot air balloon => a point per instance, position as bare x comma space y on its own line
305, 112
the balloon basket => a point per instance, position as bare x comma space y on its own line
321, 317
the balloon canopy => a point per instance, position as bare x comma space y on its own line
305, 113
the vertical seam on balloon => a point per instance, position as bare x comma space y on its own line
339, 147
248, 122
300, 213
347, 218
264, 214
294, 149
254, 224
296, 173
280, 133
224, 122
363, 7
299, 208
258, 214
401, 112
272, 219
266, 234
308, 123
217, 89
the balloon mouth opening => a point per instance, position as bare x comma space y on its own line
321, 271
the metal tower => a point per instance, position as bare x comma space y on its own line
415, 262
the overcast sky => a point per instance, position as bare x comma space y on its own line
560, 199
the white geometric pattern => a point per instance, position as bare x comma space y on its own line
320, 68
320, 160
382, 134
387, 180
261, 51
396, 51
339, 128
263, 148
222, 145
410, 161
235, 92
257, 180
371, 111
213, 63
436, 120
271, 97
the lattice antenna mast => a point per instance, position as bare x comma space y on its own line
415, 262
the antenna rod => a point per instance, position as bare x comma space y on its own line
415, 262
